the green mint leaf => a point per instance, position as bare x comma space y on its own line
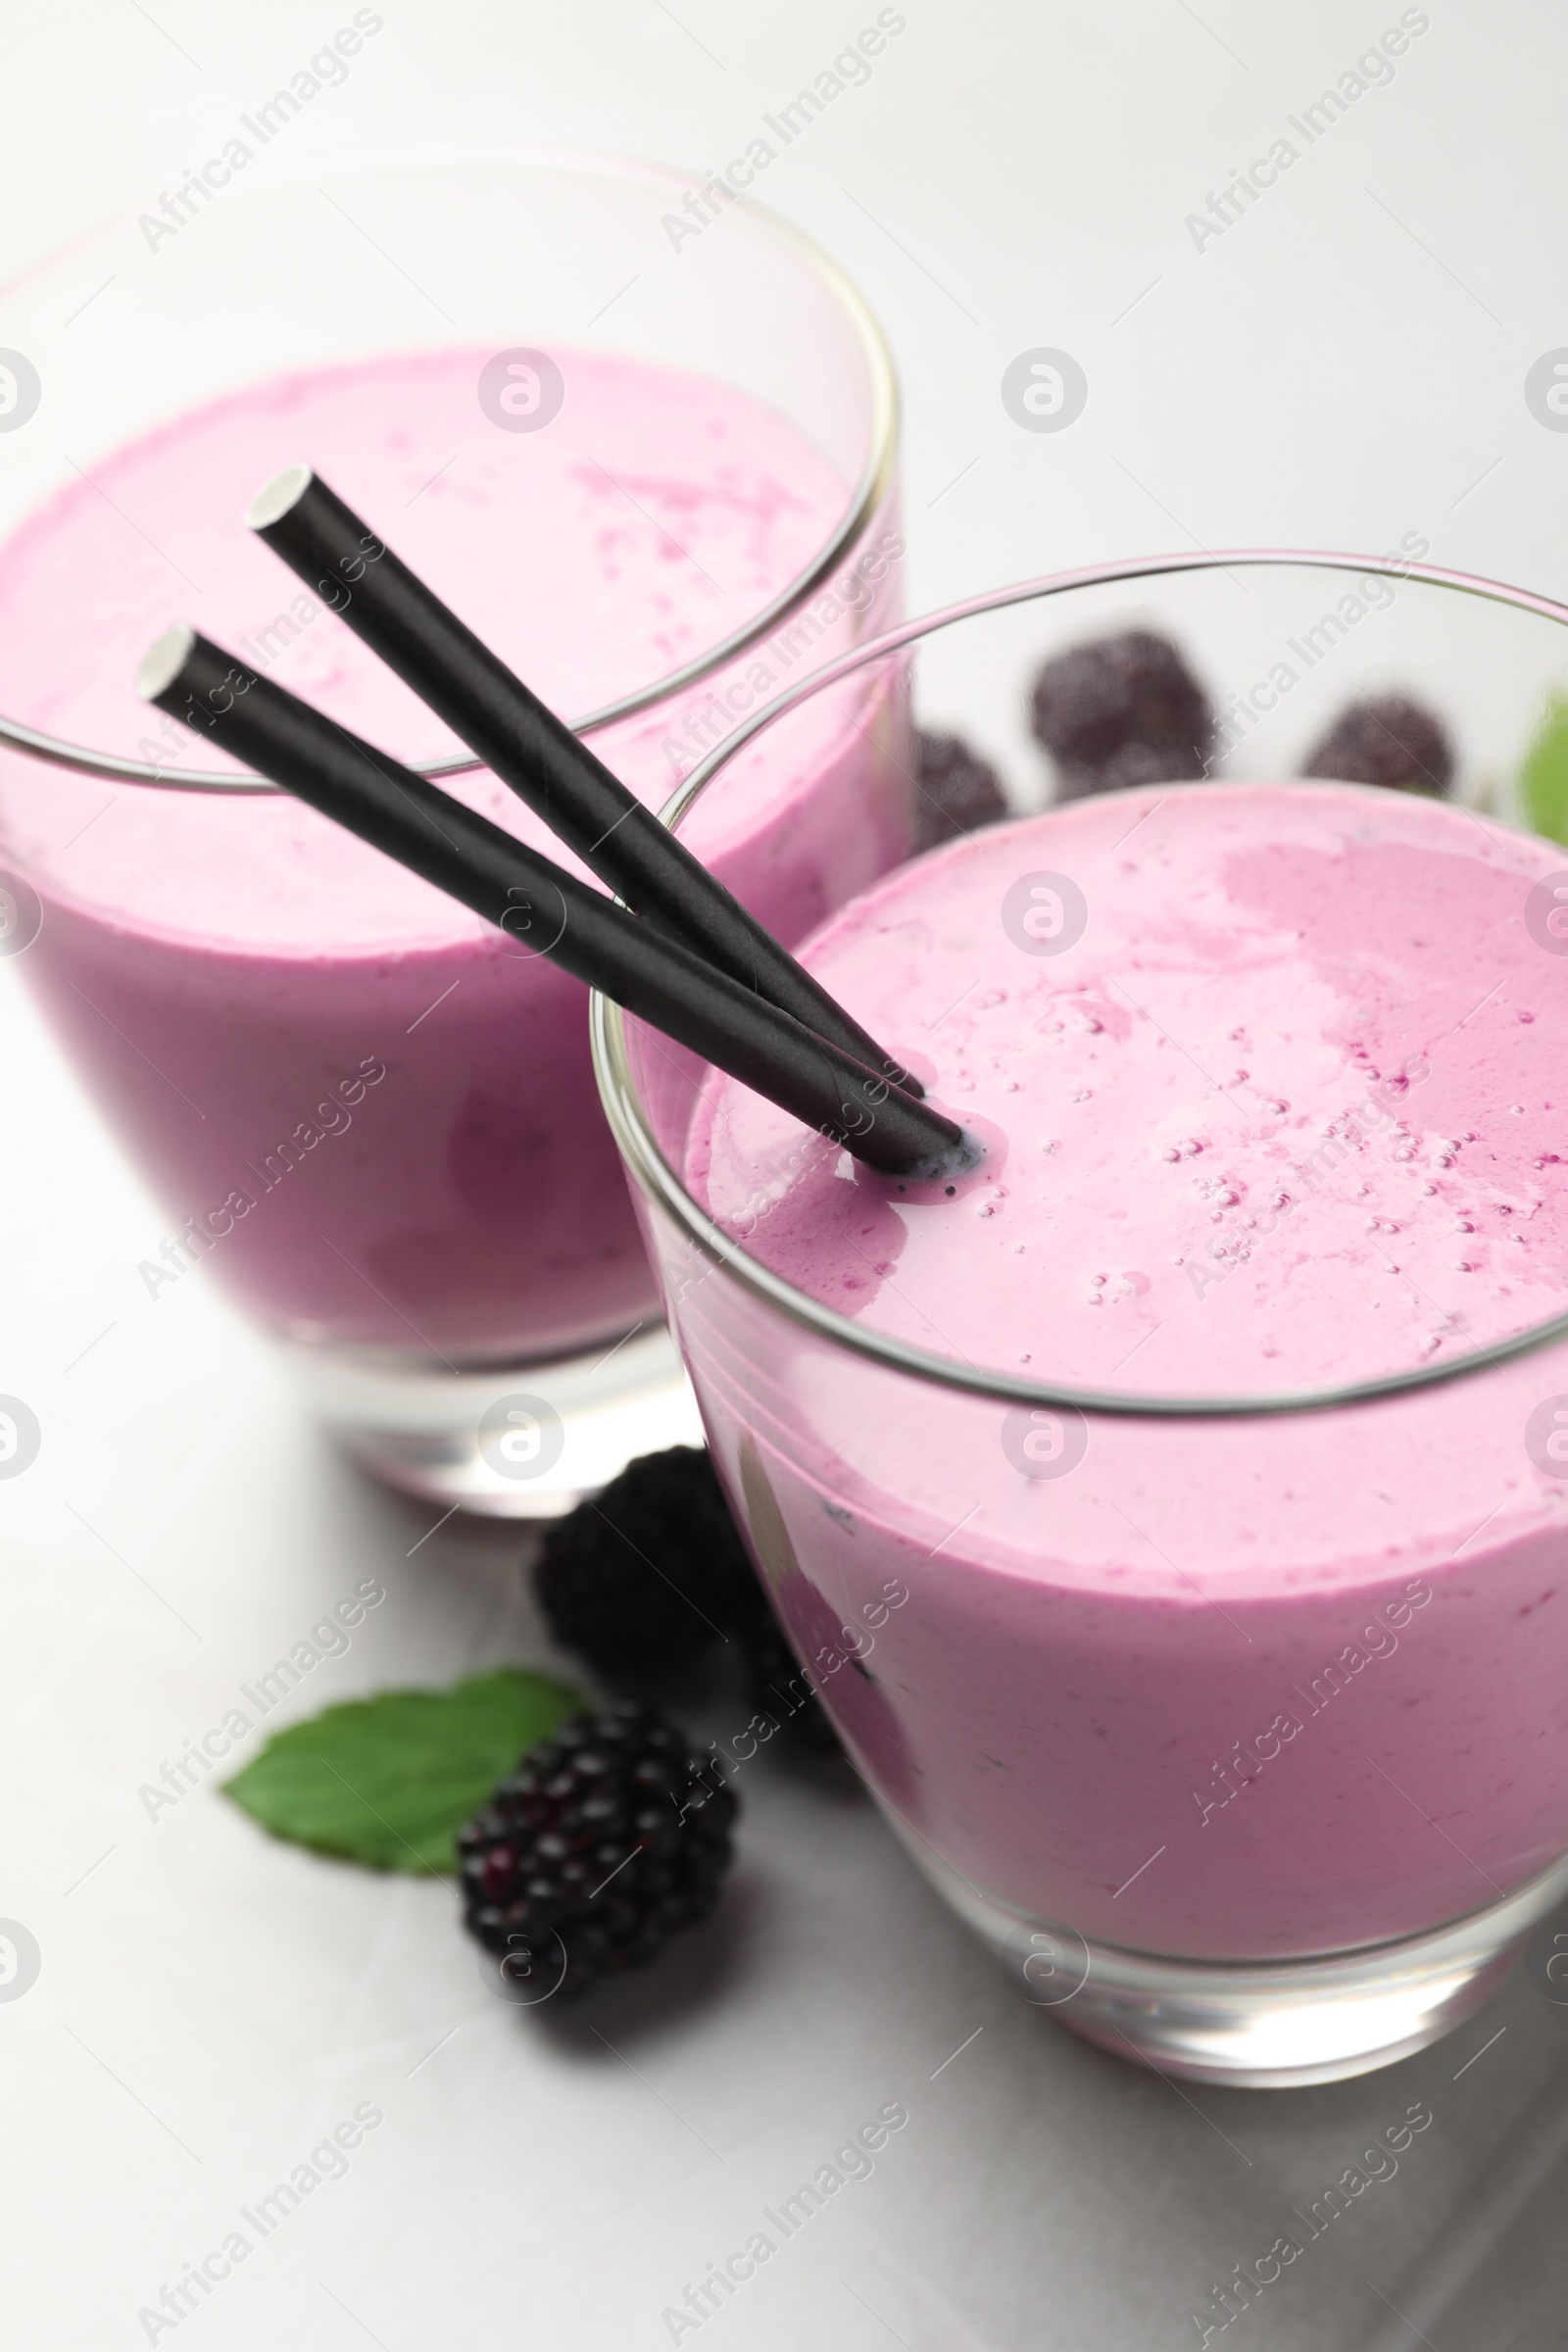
388, 1781
1543, 777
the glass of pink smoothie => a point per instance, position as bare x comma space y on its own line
1173, 1515
643, 438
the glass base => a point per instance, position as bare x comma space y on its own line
513, 1441
1257, 2024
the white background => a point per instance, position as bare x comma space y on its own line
1345, 364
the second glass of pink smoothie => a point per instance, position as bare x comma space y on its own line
1172, 1514
658, 476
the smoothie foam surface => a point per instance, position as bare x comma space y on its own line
657, 513
1290, 1113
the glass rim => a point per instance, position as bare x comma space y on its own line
865, 496
658, 1181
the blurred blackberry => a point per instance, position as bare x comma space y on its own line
959, 792
782, 1690
608, 1839
1121, 711
1386, 739
646, 1574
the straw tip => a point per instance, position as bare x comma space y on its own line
275, 498
163, 662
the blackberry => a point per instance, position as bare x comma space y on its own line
651, 1573
646, 1574
609, 1837
959, 792
781, 1689
1121, 711
1388, 739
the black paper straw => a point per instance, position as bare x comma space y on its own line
523, 741
546, 908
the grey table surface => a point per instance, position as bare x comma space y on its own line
1343, 362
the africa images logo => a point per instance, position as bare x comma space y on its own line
1546, 913
1546, 390
1045, 914
1045, 1440
1547, 1437
1045, 390
521, 1437
19, 1437
19, 390
20, 1960
521, 390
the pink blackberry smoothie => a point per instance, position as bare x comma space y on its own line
372, 1112
1278, 1103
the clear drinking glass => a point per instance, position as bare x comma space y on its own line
378, 1129
1107, 1602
